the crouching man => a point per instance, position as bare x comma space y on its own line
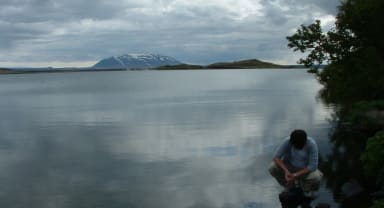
295, 163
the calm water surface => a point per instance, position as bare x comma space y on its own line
171, 139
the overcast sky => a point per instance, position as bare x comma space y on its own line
81, 32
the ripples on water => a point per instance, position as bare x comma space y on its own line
151, 139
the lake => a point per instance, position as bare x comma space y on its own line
164, 139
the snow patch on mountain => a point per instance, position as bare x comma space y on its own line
136, 61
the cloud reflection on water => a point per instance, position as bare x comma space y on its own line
169, 143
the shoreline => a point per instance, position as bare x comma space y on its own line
38, 71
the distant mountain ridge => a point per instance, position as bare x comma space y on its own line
242, 64
150, 61
136, 61
5, 71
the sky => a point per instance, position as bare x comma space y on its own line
78, 33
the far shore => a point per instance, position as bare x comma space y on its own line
54, 70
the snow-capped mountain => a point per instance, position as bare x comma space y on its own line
137, 61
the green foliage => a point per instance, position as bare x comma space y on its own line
355, 79
373, 157
378, 204
309, 39
364, 18
353, 50
366, 106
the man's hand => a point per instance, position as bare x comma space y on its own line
290, 178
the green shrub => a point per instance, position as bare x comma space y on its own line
378, 204
373, 157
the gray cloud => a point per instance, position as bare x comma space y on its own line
191, 31
55, 10
306, 6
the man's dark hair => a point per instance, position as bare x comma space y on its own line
298, 138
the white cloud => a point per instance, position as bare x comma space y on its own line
200, 31
327, 22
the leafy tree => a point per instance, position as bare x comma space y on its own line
353, 52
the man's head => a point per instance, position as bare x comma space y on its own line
298, 138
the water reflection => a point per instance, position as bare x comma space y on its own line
150, 139
66, 171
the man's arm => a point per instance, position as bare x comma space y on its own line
281, 164
289, 177
301, 172
282, 152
